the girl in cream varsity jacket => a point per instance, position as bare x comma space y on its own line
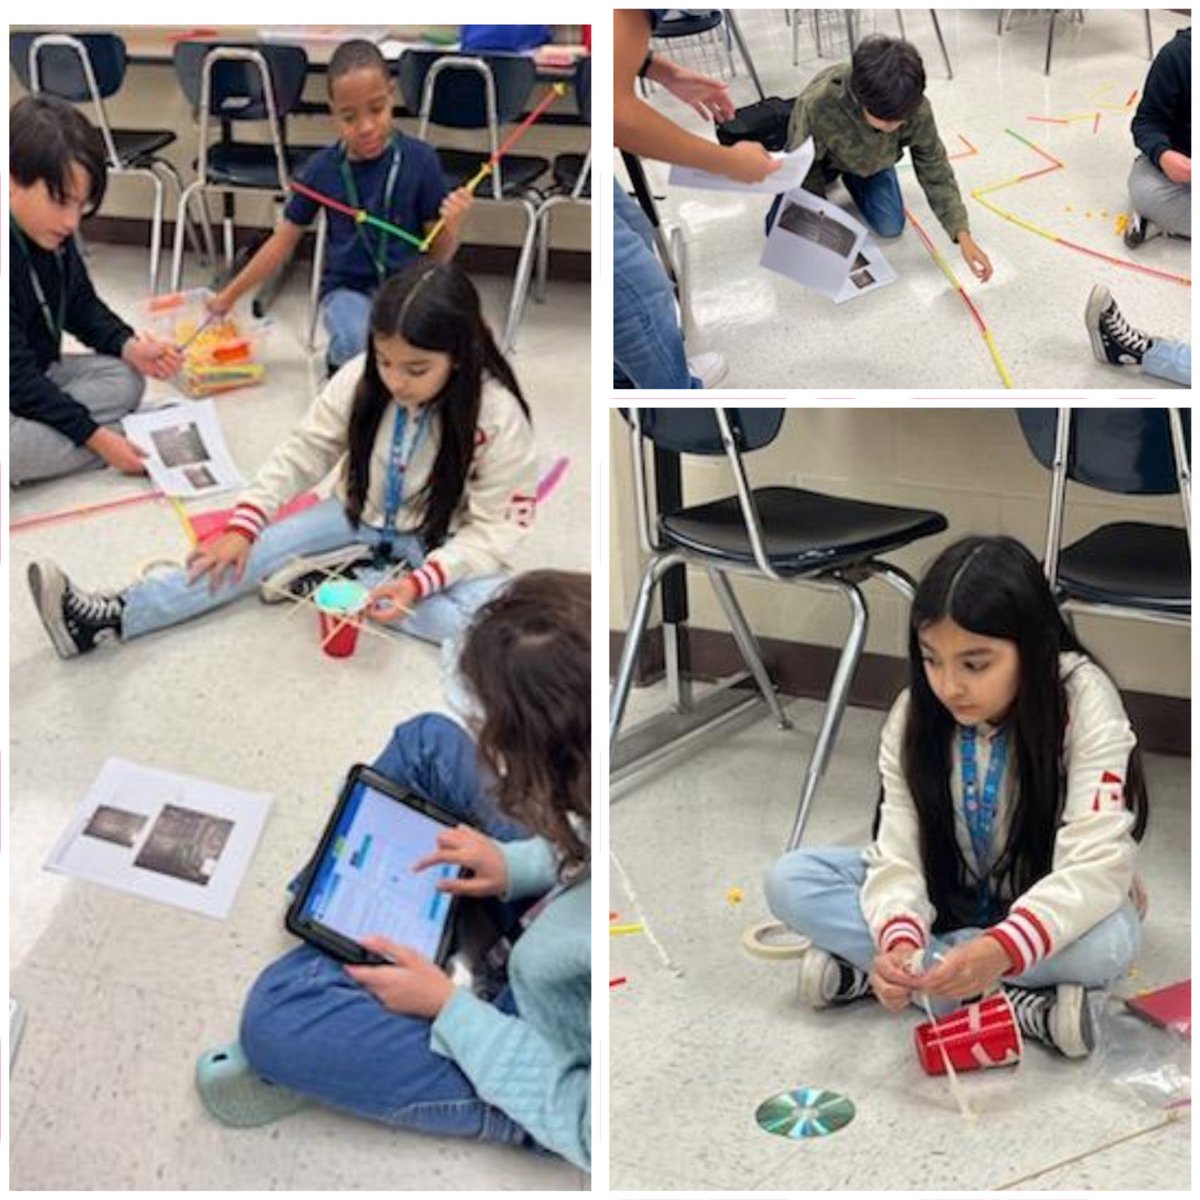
1006, 836
424, 450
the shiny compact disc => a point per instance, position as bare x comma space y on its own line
805, 1113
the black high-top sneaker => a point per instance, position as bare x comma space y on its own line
826, 980
1114, 340
299, 578
1058, 1017
77, 621
1139, 230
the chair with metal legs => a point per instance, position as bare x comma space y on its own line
786, 534
1004, 22
1130, 569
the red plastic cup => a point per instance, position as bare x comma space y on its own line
978, 1036
339, 634
339, 610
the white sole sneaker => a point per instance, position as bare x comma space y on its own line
814, 984
49, 585
1071, 1021
1098, 301
275, 588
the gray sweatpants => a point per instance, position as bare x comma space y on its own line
1167, 204
107, 387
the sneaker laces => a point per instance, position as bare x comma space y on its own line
93, 608
1033, 1012
1121, 331
852, 983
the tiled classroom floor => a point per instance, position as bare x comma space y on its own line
122, 994
695, 1053
917, 332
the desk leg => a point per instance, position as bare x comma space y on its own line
1050, 39
731, 20
937, 28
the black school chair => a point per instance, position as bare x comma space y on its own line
786, 534
572, 175
1124, 568
90, 67
481, 92
234, 84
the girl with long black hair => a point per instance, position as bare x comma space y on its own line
430, 445
1006, 835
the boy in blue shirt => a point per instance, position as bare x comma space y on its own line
375, 167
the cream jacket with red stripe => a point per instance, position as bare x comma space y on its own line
1094, 850
496, 509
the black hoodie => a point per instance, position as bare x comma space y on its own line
1163, 120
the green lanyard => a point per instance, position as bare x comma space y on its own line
378, 252
55, 326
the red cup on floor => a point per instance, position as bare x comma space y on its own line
980, 1035
340, 603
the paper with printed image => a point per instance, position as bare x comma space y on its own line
186, 449
870, 270
791, 174
814, 242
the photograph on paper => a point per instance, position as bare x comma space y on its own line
186, 450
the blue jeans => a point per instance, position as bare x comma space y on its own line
647, 341
1169, 360
307, 1026
347, 317
166, 598
816, 892
878, 199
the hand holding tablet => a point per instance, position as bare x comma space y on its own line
409, 984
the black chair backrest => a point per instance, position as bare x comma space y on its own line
695, 430
60, 72
237, 93
689, 23
583, 89
459, 98
1125, 450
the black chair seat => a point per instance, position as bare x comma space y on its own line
242, 164
804, 532
689, 26
134, 146
1132, 564
518, 172
567, 169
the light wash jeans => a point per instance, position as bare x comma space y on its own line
166, 598
647, 341
1169, 360
307, 1026
347, 317
878, 199
816, 892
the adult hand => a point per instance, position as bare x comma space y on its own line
892, 978
150, 356
975, 258
414, 987
1175, 166
748, 162
967, 970
220, 304
475, 852
118, 451
392, 601
709, 97
223, 558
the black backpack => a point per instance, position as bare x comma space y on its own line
765, 122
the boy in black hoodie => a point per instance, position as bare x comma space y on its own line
1160, 184
62, 411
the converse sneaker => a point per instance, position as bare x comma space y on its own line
1114, 340
826, 979
710, 369
301, 576
1058, 1017
1139, 230
76, 621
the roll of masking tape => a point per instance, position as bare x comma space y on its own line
773, 939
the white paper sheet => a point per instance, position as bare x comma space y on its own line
167, 837
870, 270
790, 175
813, 242
186, 448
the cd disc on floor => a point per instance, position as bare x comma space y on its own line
805, 1113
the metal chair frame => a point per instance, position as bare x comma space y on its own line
1004, 22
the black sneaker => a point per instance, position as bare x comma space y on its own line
299, 578
1114, 340
1139, 230
76, 621
826, 979
1058, 1017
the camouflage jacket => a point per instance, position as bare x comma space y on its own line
846, 144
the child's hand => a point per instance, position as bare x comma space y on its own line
1175, 166
455, 207
223, 558
708, 97
392, 601
476, 852
414, 987
145, 353
892, 978
748, 162
118, 451
975, 258
967, 970
220, 304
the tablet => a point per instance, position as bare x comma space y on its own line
361, 881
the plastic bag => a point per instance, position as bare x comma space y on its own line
1148, 1063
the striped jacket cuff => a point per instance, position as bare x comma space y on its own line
429, 579
901, 929
1025, 938
248, 520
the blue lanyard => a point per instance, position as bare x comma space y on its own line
404, 450
980, 809
378, 252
